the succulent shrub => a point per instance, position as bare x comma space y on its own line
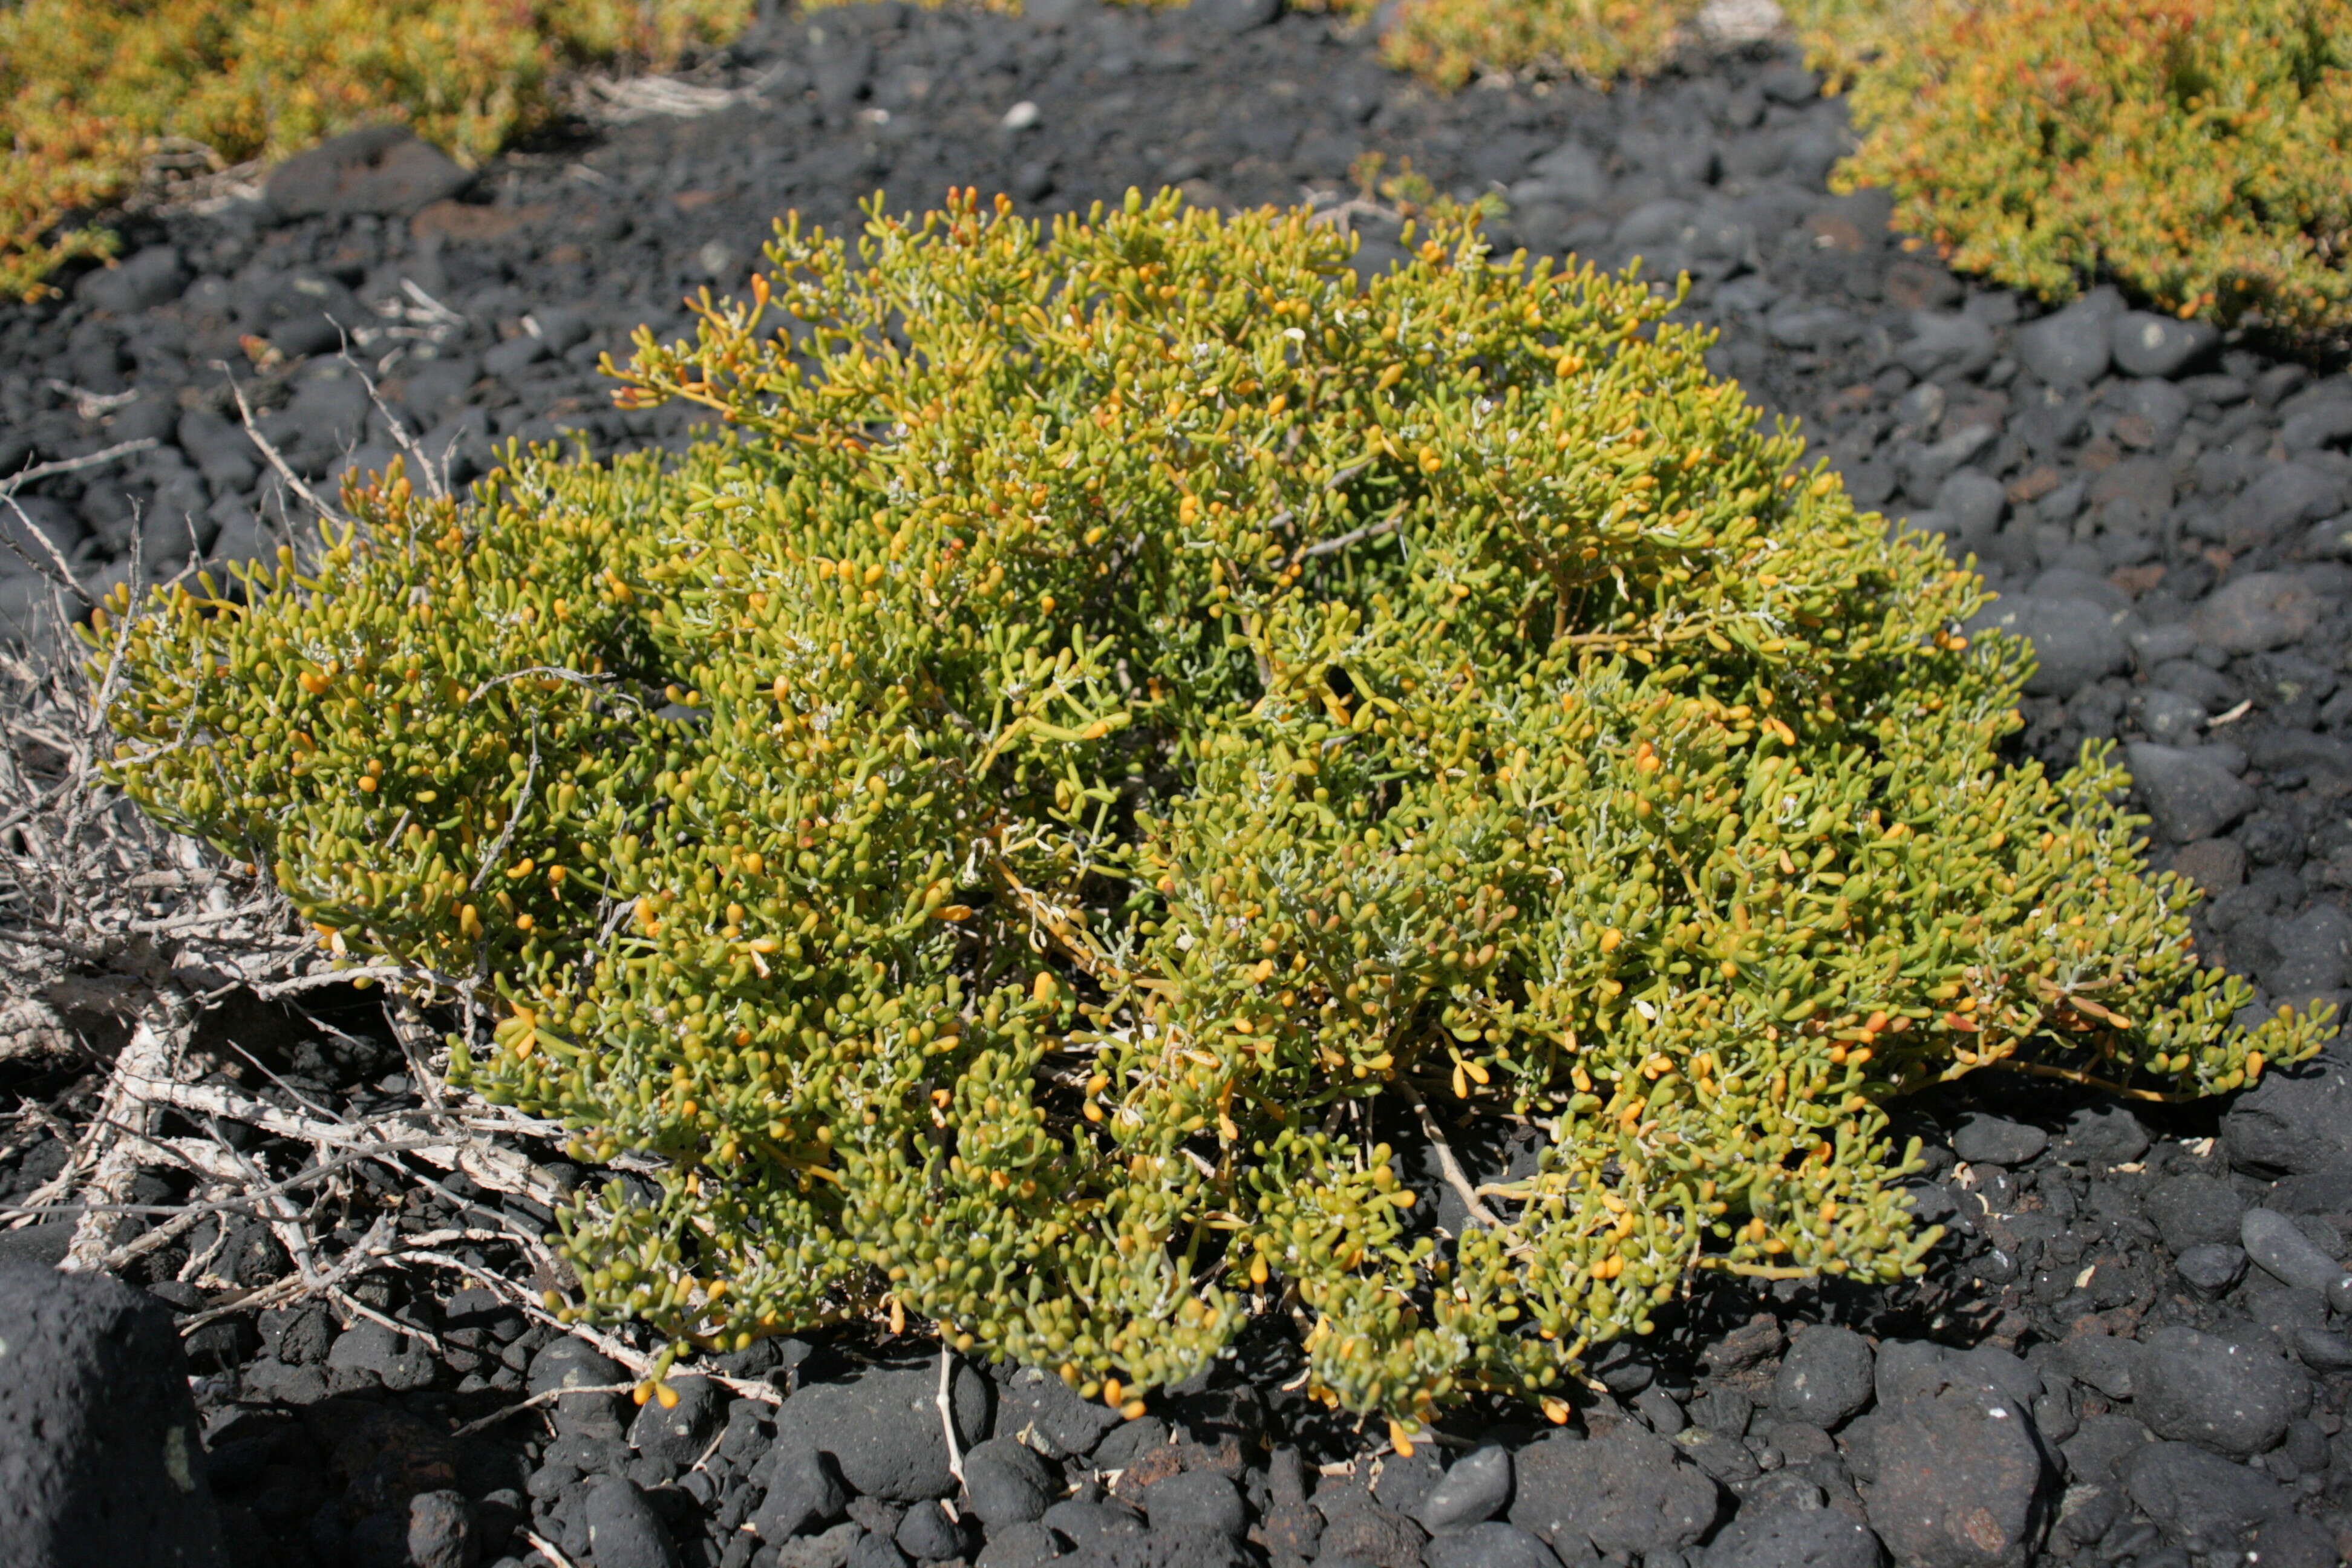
1121, 725
2191, 149
2187, 149
1447, 42
88, 92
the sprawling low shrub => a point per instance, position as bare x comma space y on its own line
89, 91
2192, 149
1124, 725
1447, 42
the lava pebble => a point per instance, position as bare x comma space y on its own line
1793, 1538
2073, 346
1474, 1489
1961, 1481
679, 1432
1825, 1377
1040, 1409
2191, 794
883, 1427
100, 1460
570, 1363
1997, 1140
2203, 1500
1005, 1482
1199, 1500
2287, 1253
2193, 1209
2232, 1396
1626, 1491
1490, 1544
2146, 345
802, 1489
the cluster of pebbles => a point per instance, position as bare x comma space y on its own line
2131, 1347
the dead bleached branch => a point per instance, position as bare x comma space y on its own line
117, 939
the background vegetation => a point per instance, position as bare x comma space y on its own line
89, 93
2191, 150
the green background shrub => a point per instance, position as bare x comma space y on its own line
87, 90
2193, 149
1124, 718
2188, 149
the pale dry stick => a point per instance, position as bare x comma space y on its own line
321, 978
506, 1229
46, 1196
367, 1253
547, 1549
195, 1214
208, 920
415, 1037
199, 1262
514, 818
360, 1309
276, 460
92, 405
947, 1415
637, 97
140, 1151
23, 477
193, 1155
1455, 1177
547, 671
38, 800
39, 1122
284, 1221
437, 483
1357, 536
64, 577
31, 1028
605, 1343
161, 1236
441, 312
530, 1305
202, 1208
1288, 514
500, 1169
153, 1053
544, 1397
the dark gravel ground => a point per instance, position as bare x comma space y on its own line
2131, 1350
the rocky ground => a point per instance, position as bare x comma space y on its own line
2130, 1351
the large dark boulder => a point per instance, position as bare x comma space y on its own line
1625, 1492
379, 169
1043, 1411
2233, 1397
1826, 1376
882, 1425
2295, 1121
1962, 1481
2199, 1498
1793, 1538
568, 1363
101, 1461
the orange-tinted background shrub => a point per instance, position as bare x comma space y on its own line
90, 89
2193, 149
